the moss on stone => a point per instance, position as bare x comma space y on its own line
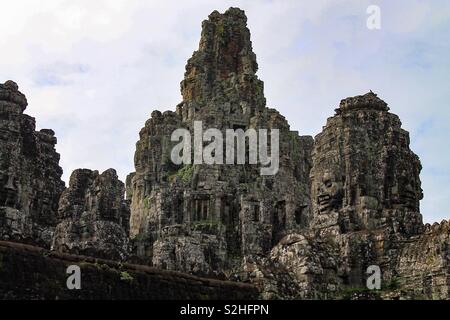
220, 29
147, 202
393, 284
358, 293
207, 222
207, 226
125, 276
204, 296
140, 237
185, 174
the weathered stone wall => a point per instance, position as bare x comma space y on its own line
424, 263
28, 272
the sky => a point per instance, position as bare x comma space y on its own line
93, 71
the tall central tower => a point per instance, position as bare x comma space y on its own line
206, 218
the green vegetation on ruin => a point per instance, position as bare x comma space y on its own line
207, 225
147, 202
351, 293
354, 292
220, 29
207, 222
185, 174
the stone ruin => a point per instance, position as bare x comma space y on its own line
364, 176
93, 216
90, 217
205, 218
365, 193
30, 175
341, 202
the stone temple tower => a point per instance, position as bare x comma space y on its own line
364, 174
365, 193
205, 218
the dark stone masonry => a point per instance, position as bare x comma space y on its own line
42, 275
339, 203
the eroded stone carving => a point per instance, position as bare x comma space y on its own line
378, 173
330, 192
94, 216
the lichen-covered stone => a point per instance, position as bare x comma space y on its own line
223, 69
94, 217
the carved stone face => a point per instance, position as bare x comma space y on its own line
409, 192
9, 191
329, 193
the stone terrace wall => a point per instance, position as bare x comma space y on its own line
42, 275
424, 263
